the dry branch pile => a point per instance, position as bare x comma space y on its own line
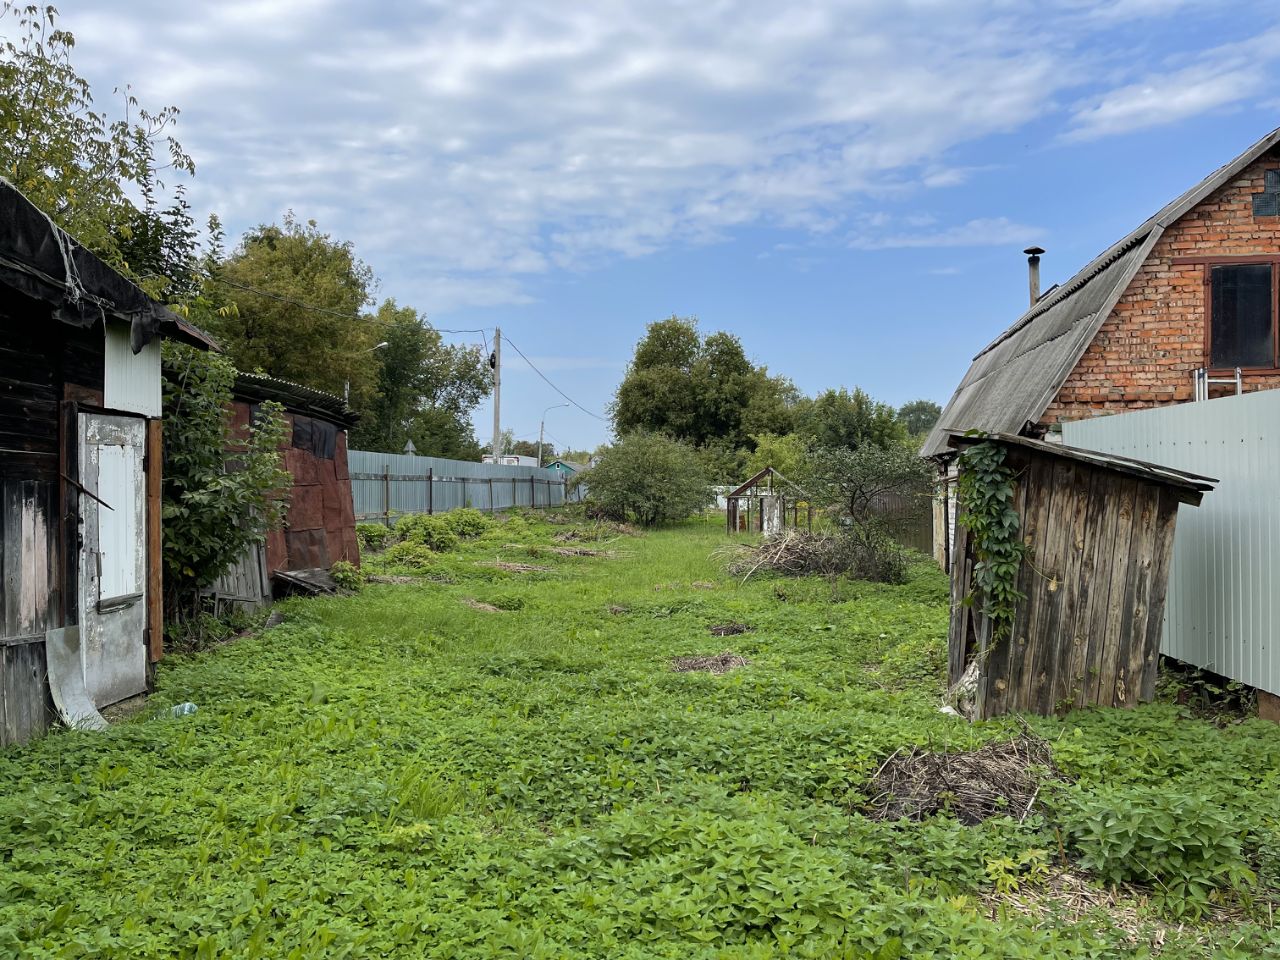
1001, 779
513, 567
475, 604
717, 663
793, 553
728, 629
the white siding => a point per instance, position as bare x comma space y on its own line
131, 383
1222, 611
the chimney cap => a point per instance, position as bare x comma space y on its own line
1033, 251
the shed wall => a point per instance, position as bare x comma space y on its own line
1222, 608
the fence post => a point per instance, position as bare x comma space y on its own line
386, 492
514, 496
533, 494
431, 491
491, 510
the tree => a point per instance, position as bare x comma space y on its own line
72, 160
647, 478
789, 455
919, 416
699, 390
300, 295
842, 419
212, 511
424, 392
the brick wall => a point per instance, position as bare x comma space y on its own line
1147, 350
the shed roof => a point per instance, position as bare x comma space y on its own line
296, 398
1189, 487
1015, 377
42, 261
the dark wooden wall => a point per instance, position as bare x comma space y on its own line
1089, 627
42, 363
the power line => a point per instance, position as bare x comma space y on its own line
512, 345
367, 318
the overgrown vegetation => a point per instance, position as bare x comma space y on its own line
985, 494
404, 773
647, 478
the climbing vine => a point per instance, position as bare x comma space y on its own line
985, 490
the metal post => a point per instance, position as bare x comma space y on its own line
491, 510
431, 491
496, 362
533, 493
386, 491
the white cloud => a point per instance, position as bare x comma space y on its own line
465, 147
980, 232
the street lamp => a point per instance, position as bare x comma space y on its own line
542, 423
346, 390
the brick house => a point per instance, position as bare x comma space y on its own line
1192, 292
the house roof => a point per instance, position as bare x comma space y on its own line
1188, 487
41, 261
295, 398
1015, 377
568, 464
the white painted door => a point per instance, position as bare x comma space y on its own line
113, 557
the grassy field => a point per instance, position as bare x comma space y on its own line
495, 762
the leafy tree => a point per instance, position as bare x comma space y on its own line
425, 390
213, 510
299, 294
840, 418
789, 455
647, 478
74, 161
699, 390
919, 416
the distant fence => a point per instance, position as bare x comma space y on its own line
389, 485
909, 519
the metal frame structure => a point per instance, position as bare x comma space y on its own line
750, 492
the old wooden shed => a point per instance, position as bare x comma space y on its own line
80, 565
319, 525
1099, 535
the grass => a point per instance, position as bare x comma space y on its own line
401, 773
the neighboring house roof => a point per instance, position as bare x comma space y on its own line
43, 262
568, 465
1015, 378
295, 398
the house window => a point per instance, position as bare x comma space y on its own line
1242, 318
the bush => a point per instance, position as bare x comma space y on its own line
347, 575
372, 536
467, 523
647, 478
429, 531
408, 554
1187, 849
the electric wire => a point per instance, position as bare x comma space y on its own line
511, 343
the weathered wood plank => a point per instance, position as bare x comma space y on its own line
1104, 557
1072, 639
1162, 559
1049, 567
1131, 651
1033, 610
994, 682
1107, 661
957, 636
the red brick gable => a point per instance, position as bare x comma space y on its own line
1147, 350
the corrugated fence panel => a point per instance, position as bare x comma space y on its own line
1220, 612
400, 483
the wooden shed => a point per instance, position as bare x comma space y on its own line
1099, 536
80, 565
319, 526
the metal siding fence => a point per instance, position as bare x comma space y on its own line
389, 485
1221, 612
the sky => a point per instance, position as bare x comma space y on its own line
846, 186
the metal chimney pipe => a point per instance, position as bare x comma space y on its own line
1033, 271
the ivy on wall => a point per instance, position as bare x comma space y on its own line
985, 491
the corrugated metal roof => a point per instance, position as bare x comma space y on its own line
295, 398
1015, 378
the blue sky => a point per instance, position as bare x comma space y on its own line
847, 186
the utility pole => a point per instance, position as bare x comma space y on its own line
542, 424
495, 361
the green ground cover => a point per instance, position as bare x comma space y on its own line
498, 761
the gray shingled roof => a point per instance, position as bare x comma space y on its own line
1015, 378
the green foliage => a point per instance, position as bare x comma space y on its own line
417, 556
425, 390
213, 509
918, 416
790, 455
985, 494
347, 575
699, 389
373, 536
434, 532
647, 478
467, 522
71, 159
391, 774
837, 419
1187, 848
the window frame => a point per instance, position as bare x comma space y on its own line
1206, 265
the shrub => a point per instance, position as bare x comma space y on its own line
429, 531
416, 556
347, 575
372, 536
467, 523
1186, 848
648, 478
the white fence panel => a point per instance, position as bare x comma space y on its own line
1223, 612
